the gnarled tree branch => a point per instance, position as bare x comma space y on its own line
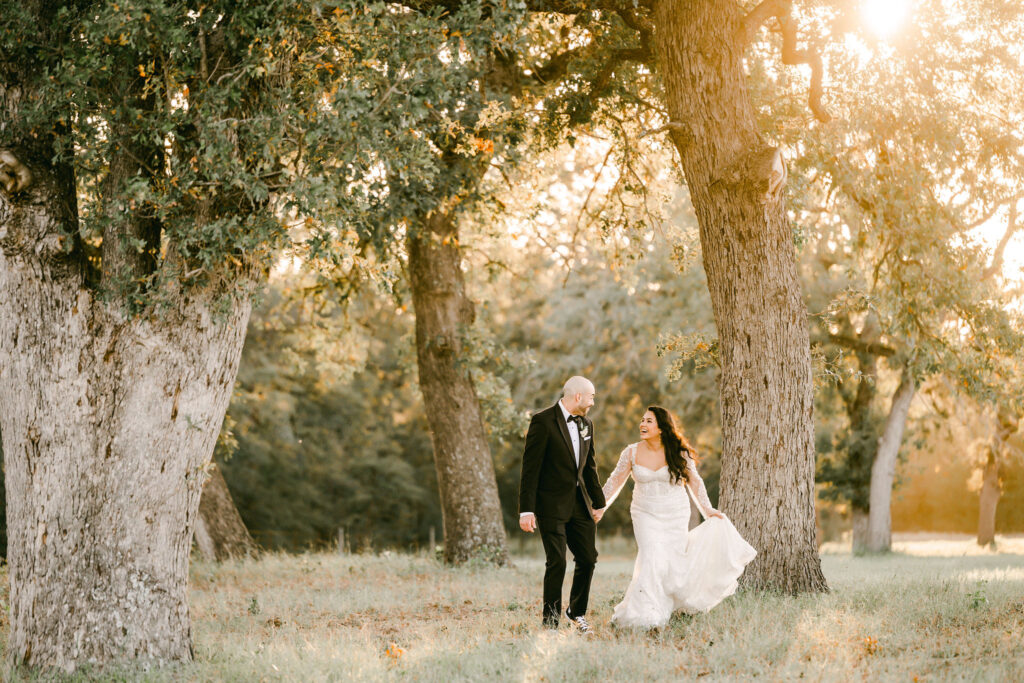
791, 56
758, 16
997, 255
671, 125
855, 344
639, 24
558, 66
634, 54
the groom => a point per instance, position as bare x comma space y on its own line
560, 494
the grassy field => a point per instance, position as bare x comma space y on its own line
934, 610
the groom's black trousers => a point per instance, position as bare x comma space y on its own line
578, 534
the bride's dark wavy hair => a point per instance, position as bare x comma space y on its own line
676, 445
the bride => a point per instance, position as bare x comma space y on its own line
675, 569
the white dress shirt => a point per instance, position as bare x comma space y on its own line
574, 432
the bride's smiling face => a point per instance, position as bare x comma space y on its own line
649, 426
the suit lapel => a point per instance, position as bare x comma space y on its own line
584, 446
564, 429
584, 451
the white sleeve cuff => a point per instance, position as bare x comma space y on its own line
523, 514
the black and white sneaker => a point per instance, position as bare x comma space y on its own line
580, 623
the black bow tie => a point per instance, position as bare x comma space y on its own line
577, 419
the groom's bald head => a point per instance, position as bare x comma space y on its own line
577, 385
578, 395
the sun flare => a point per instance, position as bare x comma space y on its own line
884, 17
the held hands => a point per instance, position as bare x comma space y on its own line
528, 522
598, 514
716, 513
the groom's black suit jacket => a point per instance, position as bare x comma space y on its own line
550, 475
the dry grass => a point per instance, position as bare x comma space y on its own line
912, 615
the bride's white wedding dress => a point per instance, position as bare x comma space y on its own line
675, 569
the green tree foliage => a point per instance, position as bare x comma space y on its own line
319, 450
208, 101
434, 93
923, 150
261, 125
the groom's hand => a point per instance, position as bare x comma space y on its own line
528, 522
598, 514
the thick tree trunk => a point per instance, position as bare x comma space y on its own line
469, 493
860, 531
883, 471
107, 426
862, 444
220, 531
988, 500
766, 390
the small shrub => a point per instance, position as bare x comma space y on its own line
978, 598
254, 606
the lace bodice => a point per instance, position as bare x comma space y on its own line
653, 479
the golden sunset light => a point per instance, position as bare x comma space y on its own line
885, 17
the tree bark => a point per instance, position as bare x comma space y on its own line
220, 531
883, 470
470, 508
766, 388
107, 424
862, 445
988, 501
860, 518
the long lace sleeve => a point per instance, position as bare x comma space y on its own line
617, 479
698, 488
